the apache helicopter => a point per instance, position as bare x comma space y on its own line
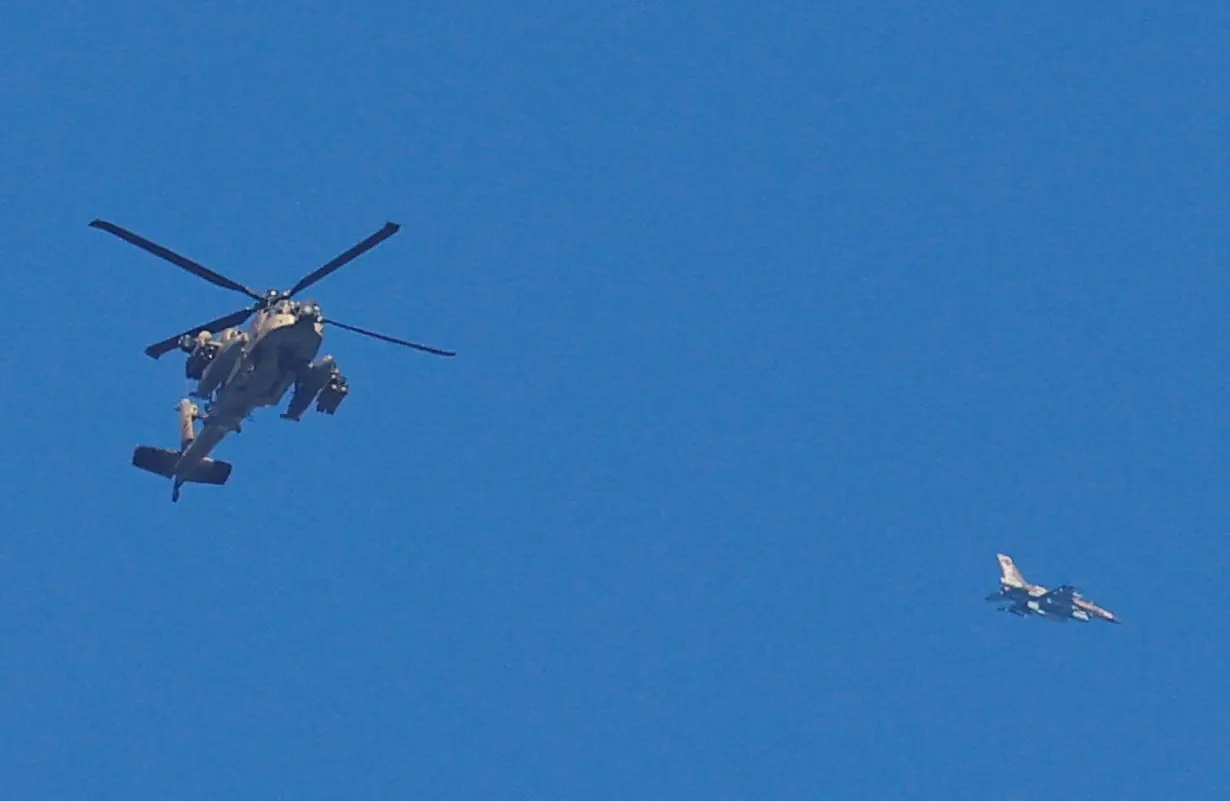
237, 371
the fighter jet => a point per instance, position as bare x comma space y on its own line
1060, 604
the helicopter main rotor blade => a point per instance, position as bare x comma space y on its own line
367, 244
394, 340
214, 326
199, 270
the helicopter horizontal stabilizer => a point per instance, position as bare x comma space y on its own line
163, 460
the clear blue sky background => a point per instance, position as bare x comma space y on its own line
774, 326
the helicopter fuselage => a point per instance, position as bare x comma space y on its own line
281, 341
261, 365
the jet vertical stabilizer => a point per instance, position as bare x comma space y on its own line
1009, 575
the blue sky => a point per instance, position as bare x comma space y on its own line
773, 328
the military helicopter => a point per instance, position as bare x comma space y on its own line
237, 371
